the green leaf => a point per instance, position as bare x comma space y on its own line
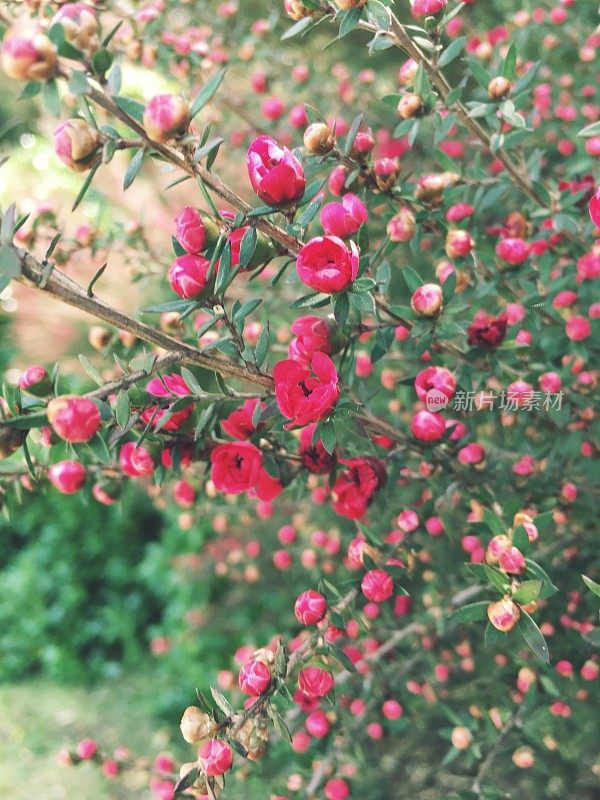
247, 247
206, 93
471, 612
309, 213
481, 75
312, 300
78, 83
533, 636
343, 659
86, 185
493, 522
341, 308
102, 61
361, 285
134, 167
172, 305
526, 80
325, 431
114, 80
528, 592
122, 409
187, 781
548, 588
449, 287
51, 98
520, 539
412, 279
350, 20
379, 14
262, 346
131, 107
498, 579
509, 67
91, 370
31, 89
592, 585
453, 50
10, 266
221, 701
352, 133
297, 28
589, 130
280, 726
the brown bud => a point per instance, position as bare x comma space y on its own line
254, 737
319, 139
410, 105
196, 725
297, 10
99, 337
27, 54
498, 87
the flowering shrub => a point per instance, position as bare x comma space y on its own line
419, 428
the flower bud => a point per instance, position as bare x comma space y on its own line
319, 139
165, 117
77, 144
27, 54
196, 725
187, 275
402, 226
254, 678
215, 757
80, 24
346, 5
314, 682
427, 300
36, 381
310, 607
67, 476
191, 233
461, 737
73, 418
377, 585
503, 614
458, 243
10, 438
410, 106
426, 426
275, 173
498, 87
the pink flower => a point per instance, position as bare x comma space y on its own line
344, 218
578, 329
427, 300
235, 466
327, 264
438, 378
275, 173
301, 397
26, 54
311, 335
377, 585
426, 426
77, 144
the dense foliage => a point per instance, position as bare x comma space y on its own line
362, 387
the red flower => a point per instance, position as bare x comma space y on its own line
355, 488
487, 331
327, 264
310, 607
311, 336
168, 386
275, 173
314, 456
67, 476
266, 487
215, 757
239, 423
235, 467
301, 397
345, 218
